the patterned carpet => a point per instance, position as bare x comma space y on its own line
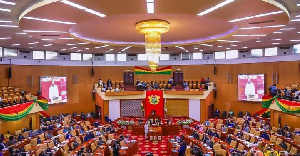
145, 146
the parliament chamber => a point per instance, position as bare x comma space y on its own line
150, 78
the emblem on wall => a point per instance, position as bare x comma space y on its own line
154, 99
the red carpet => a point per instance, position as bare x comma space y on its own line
158, 149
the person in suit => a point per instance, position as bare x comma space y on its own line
116, 148
146, 128
195, 135
217, 113
228, 139
2, 145
182, 148
20, 137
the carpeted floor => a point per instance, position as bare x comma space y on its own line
158, 149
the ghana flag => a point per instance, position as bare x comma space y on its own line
165, 70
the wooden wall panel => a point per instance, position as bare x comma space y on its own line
177, 108
291, 120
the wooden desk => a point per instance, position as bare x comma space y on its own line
132, 149
170, 130
155, 133
138, 130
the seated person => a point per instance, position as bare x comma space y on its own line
224, 128
195, 135
286, 128
289, 135
228, 139
7, 135
11, 141
185, 84
205, 138
2, 145
209, 132
20, 137
68, 135
48, 135
86, 137
107, 119
88, 115
215, 134
230, 113
50, 127
126, 139
280, 132
182, 148
283, 145
247, 129
209, 143
56, 141
101, 142
240, 134
206, 123
217, 113
81, 131
265, 135
38, 140
74, 114
75, 144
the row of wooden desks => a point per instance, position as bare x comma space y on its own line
166, 130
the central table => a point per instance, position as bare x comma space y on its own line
155, 133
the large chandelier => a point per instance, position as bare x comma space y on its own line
152, 29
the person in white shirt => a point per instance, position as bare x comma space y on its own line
53, 92
146, 127
249, 89
100, 83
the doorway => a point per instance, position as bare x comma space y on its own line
128, 79
177, 78
98, 112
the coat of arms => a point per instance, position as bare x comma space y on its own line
154, 99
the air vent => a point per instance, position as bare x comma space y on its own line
98, 54
244, 51
131, 54
262, 22
50, 35
63, 54
24, 51
285, 47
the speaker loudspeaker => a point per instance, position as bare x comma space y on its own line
9, 72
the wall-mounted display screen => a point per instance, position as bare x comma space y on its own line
251, 87
54, 89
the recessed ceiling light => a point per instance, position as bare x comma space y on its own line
258, 41
6, 2
44, 31
5, 21
33, 43
201, 50
256, 16
126, 48
234, 45
277, 32
227, 48
9, 26
295, 40
83, 8
228, 41
208, 45
49, 20
70, 44
196, 48
109, 50
73, 48
275, 43
150, 8
47, 45
16, 44
21, 33
5, 38
215, 7
78, 51
287, 29
244, 47
295, 20
97, 47
120, 52
104, 46
66, 38
5, 10
220, 46
47, 39
31, 47
298, 4
84, 43
249, 35
271, 26
63, 49
276, 39
86, 48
